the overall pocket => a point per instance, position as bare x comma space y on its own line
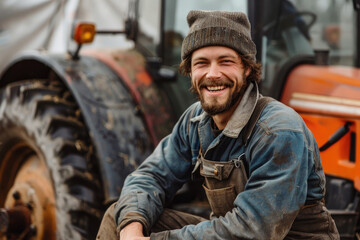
221, 200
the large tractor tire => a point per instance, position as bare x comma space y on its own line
49, 181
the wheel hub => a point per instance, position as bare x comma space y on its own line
30, 203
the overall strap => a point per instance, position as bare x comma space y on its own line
249, 127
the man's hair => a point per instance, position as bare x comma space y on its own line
247, 61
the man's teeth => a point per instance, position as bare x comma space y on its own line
216, 88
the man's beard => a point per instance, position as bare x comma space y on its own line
215, 108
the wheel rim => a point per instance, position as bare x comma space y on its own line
26, 181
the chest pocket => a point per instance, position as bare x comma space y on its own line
223, 182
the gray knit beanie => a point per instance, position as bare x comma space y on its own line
218, 28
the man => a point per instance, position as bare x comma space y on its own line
261, 165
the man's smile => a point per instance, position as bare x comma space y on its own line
216, 88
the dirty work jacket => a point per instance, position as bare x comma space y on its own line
284, 172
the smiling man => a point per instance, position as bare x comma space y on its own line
260, 164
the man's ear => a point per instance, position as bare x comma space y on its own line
247, 72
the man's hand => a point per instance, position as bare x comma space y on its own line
133, 231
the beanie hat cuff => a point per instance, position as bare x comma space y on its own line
218, 36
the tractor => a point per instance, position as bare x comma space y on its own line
73, 126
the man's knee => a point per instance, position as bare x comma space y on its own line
172, 219
107, 228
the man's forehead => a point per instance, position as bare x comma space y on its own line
214, 51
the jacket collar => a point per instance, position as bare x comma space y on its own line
241, 114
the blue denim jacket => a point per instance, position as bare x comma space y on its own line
284, 172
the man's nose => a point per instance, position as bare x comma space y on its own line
213, 71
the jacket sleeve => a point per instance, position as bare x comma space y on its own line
157, 179
273, 196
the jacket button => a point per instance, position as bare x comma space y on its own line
216, 172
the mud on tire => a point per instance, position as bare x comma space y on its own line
40, 118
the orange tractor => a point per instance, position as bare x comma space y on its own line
73, 126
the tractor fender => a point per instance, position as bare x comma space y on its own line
125, 112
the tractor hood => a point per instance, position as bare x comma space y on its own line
329, 90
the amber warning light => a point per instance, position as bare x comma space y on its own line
84, 33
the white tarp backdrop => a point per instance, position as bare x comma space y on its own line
46, 25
